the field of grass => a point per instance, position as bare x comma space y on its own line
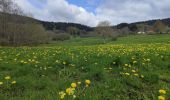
133, 39
131, 68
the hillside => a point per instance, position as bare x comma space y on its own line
149, 22
62, 26
47, 25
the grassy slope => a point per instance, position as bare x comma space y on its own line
144, 39
133, 39
41, 74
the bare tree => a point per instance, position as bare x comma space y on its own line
104, 24
159, 27
5, 6
17, 30
73, 31
105, 30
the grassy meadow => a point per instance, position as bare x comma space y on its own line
130, 68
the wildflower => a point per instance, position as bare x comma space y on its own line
73, 85
161, 98
70, 91
79, 83
7, 77
133, 71
126, 65
13, 82
142, 76
22, 61
134, 62
110, 68
162, 91
62, 95
136, 74
133, 58
148, 60
74, 96
1, 83
87, 82
127, 74
114, 62
64, 63
57, 61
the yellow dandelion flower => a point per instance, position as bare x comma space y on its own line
13, 82
87, 85
142, 76
79, 83
136, 74
133, 71
74, 96
134, 62
127, 74
87, 82
1, 83
64, 63
7, 77
161, 98
126, 65
148, 60
62, 94
162, 91
73, 85
70, 91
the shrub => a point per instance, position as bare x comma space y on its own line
114, 37
61, 37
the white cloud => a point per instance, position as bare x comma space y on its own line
115, 11
118, 11
59, 11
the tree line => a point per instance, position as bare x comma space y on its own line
16, 30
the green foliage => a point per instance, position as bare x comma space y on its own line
73, 31
61, 37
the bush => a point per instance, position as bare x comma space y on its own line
61, 37
114, 36
18, 34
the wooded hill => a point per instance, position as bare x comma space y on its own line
22, 30
165, 21
63, 26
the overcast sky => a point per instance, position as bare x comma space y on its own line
90, 12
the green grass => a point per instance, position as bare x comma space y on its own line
132, 39
144, 39
126, 69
